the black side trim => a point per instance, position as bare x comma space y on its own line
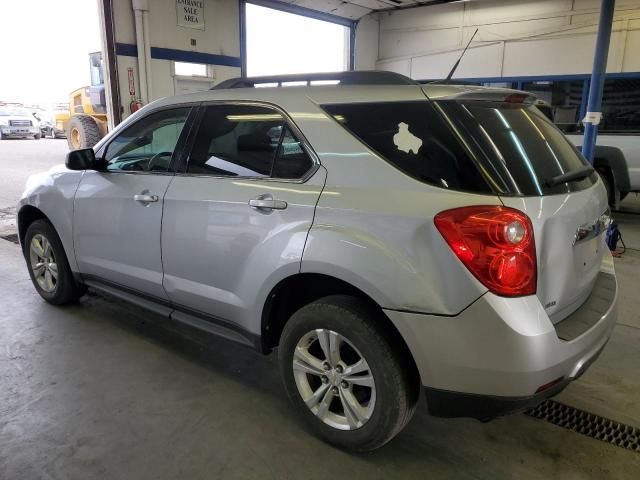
252, 339
448, 404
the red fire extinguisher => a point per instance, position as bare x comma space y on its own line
135, 105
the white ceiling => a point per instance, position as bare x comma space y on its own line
354, 9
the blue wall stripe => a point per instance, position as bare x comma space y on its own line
130, 50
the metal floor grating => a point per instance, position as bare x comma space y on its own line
13, 237
600, 428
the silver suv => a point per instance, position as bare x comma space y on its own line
385, 236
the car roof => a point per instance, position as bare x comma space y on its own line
327, 94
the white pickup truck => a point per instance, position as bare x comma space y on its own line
617, 159
18, 123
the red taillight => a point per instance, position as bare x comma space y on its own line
496, 244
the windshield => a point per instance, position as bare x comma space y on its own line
520, 149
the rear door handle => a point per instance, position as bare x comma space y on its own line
143, 198
265, 203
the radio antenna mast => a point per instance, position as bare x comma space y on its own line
455, 66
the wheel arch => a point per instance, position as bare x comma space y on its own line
26, 216
613, 159
295, 291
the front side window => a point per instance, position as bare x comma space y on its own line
148, 144
246, 141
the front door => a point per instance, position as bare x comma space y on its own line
118, 211
238, 218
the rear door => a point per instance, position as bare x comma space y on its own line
236, 218
523, 152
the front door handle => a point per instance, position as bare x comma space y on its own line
144, 198
266, 202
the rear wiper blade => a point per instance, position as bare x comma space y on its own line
578, 174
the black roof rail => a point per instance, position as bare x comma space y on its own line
359, 77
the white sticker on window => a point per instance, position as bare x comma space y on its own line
405, 140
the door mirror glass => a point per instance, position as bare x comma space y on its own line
84, 159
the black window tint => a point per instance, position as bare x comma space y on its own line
236, 140
560, 101
148, 144
413, 137
292, 161
521, 148
621, 106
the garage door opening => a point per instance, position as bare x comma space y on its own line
280, 43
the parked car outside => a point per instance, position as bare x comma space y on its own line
384, 237
18, 123
51, 128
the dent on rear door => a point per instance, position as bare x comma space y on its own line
220, 256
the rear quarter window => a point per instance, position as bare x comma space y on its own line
413, 137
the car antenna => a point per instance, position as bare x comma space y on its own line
455, 66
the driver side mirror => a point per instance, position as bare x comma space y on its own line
83, 159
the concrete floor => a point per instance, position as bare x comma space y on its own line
103, 390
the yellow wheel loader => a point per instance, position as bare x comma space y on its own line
87, 120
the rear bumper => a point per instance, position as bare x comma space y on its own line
447, 404
502, 355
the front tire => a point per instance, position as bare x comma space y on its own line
351, 385
48, 265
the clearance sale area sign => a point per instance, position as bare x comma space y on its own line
190, 13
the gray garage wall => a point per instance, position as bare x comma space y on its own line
515, 38
218, 45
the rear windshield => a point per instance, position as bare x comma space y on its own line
476, 146
413, 137
519, 147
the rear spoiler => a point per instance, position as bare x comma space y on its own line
486, 94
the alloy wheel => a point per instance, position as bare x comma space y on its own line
334, 379
43, 263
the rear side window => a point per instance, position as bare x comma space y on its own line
247, 141
520, 148
414, 138
291, 161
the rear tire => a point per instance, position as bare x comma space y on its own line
82, 132
48, 265
37, 136
382, 410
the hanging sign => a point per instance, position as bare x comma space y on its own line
190, 13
